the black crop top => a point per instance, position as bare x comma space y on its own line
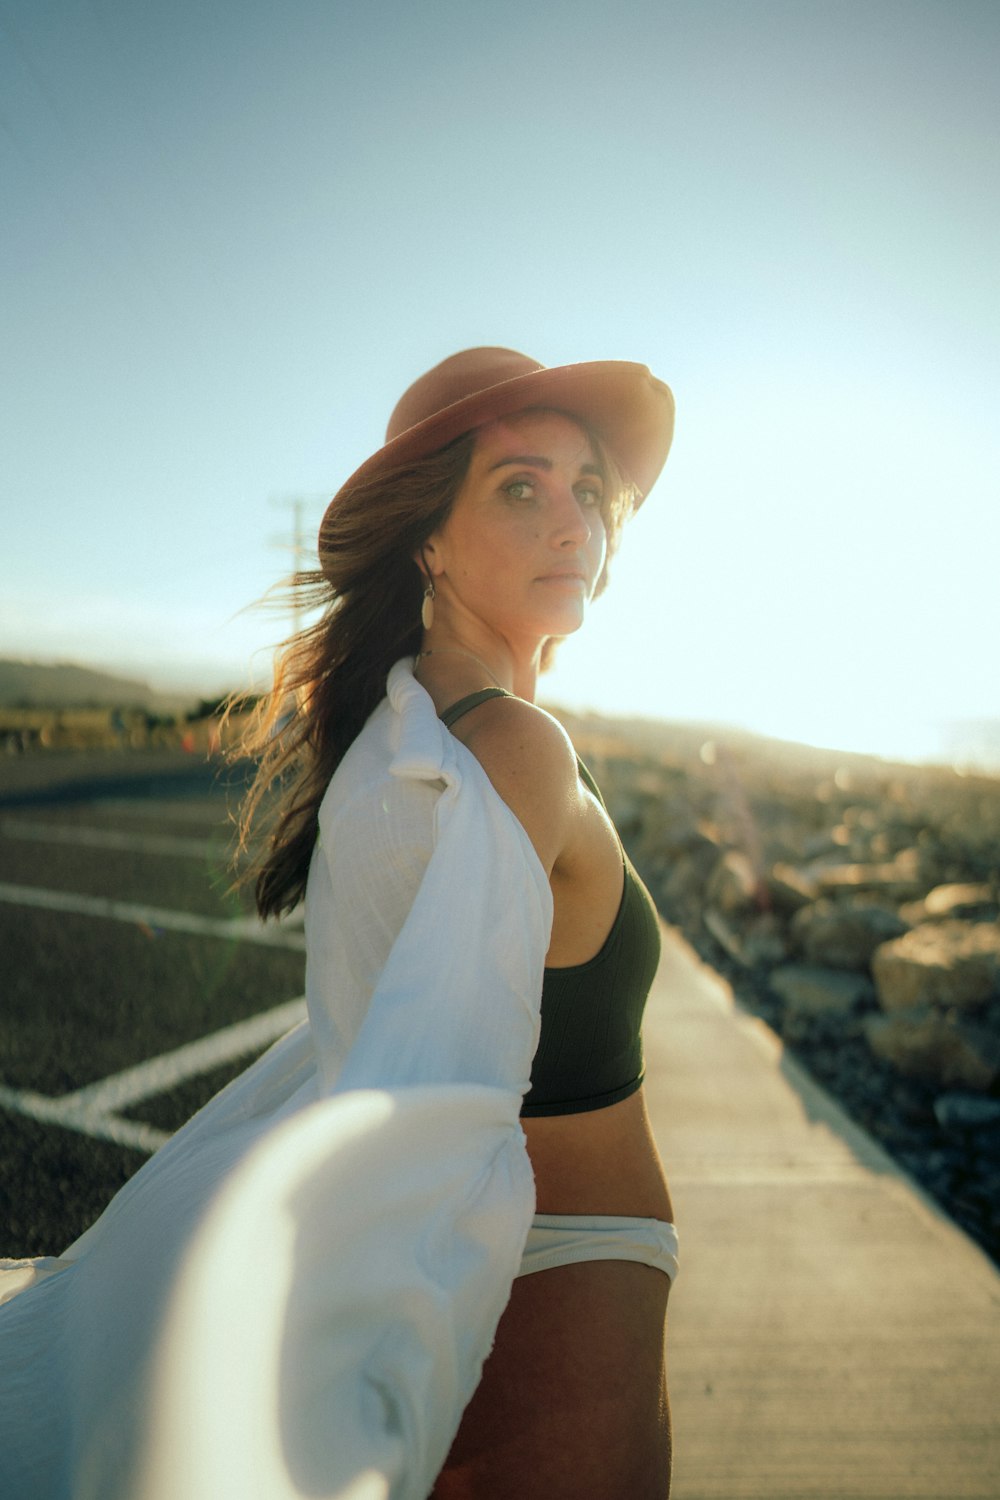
589, 1052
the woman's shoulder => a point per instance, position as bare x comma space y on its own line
529, 758
512, 729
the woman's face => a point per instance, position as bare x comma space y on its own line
524, 543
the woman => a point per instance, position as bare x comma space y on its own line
296, 1295
506, 528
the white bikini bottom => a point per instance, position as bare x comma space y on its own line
564, 1239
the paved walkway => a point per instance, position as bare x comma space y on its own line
832, 1334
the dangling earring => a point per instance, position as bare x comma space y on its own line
427, 608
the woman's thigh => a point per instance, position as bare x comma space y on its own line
573, 1399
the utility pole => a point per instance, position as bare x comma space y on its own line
300, 552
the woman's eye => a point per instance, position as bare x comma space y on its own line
589, 496
519, 489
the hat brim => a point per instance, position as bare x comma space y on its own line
623, 403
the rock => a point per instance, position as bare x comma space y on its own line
844, 937
789, 888
725, 935
819, 846
958, 900
764, 940
732, 885
671, 827
939, 963
923, 1042
684, 886
970, 1118
964, 901
899, 878
814, 991
758, 942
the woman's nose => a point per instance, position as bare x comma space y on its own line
572, 524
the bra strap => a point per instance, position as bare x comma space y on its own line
589, 782
465, 705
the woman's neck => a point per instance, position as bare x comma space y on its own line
448, 656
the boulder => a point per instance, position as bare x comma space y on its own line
725, 935
764, 940
753, 943
683, 886
913, 913
923, 1042
814, 991
673, 827
899, 878
789, 888
961, 901
732, 885
843, 937
939, 963
820, 846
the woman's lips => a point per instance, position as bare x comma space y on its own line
563, 576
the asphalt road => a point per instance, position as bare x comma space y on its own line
120, 943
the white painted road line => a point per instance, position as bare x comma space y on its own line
104, 1127
161, 1073
110, 838
239, 929
92, 1109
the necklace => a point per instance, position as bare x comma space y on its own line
454, 651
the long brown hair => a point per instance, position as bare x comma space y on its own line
330, 677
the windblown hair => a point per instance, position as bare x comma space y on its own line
330, 677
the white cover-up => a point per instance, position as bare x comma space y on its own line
295, 1295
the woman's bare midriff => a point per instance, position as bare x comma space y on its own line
604, 1161
572, 1403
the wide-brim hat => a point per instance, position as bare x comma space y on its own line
624, 404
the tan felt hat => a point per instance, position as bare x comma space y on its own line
628, 408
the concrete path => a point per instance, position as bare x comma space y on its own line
832, 1334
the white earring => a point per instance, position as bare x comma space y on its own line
427, 608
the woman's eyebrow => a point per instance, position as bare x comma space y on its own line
534, 460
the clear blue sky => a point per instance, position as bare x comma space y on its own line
234, 232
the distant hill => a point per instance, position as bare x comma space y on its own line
974, 743
25, 684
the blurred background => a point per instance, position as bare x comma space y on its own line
235, 232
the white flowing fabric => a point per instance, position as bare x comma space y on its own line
295, 1295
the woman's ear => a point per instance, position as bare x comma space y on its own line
428, 559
